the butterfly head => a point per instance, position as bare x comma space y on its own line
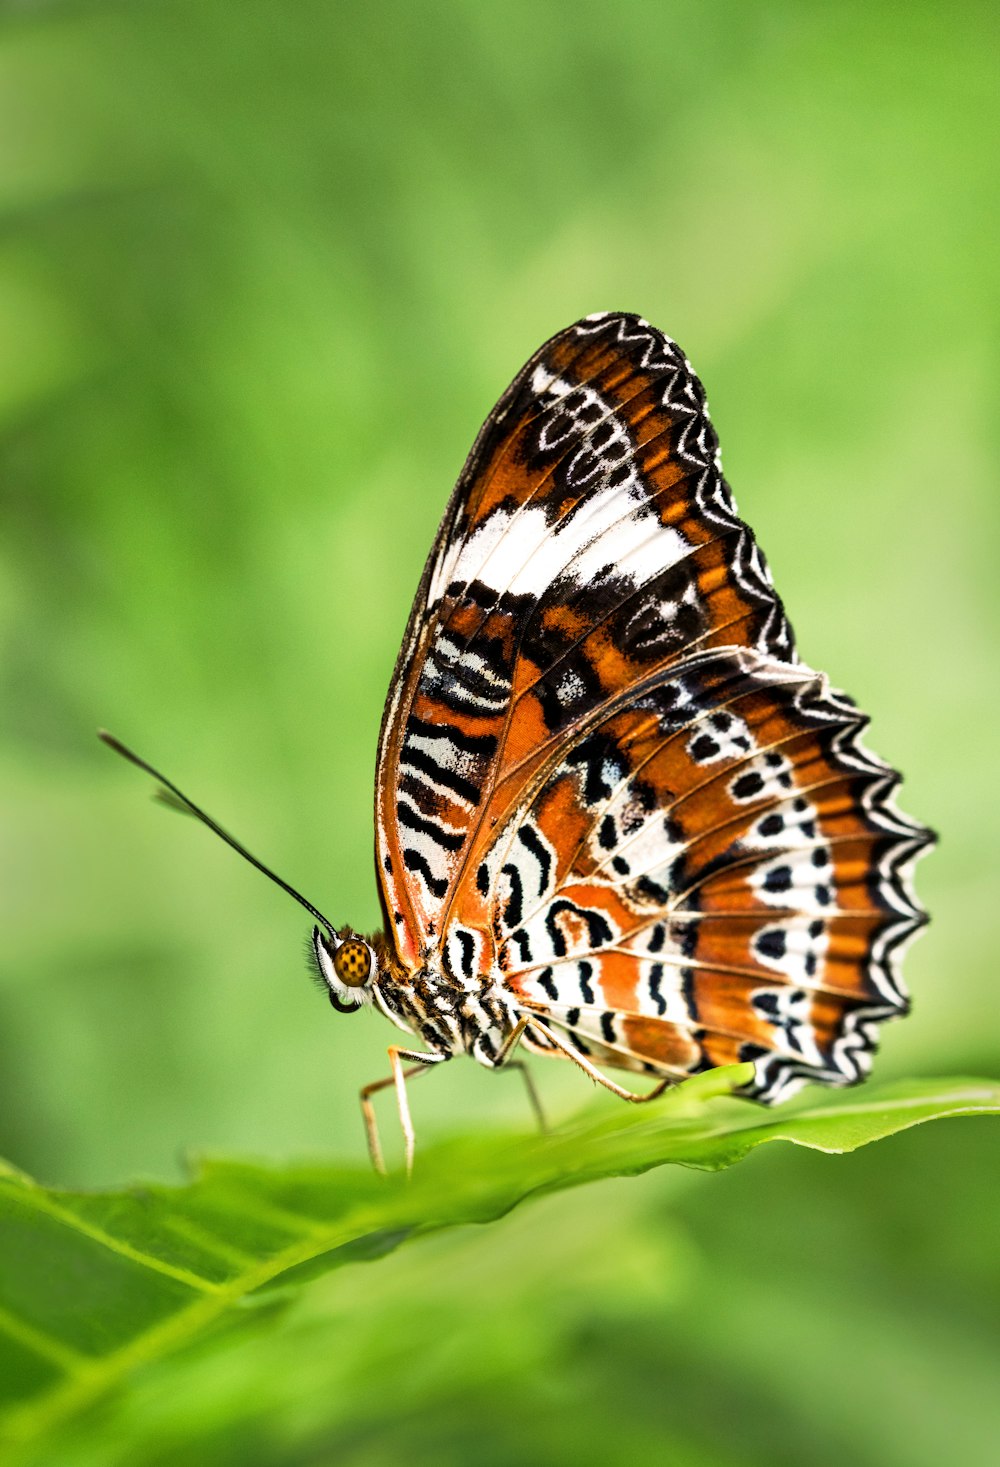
347, 965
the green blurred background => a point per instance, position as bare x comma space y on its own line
264, 267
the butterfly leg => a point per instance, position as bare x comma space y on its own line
502, 1062
534, 1099
594, 1072
398, 1078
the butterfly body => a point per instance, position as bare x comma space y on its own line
617, 818
448, 1017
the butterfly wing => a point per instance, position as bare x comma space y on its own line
590, 539
590, 559
725, 878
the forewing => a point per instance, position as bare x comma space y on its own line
591, 543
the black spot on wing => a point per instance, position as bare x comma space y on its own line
414, 861
598, 761
778, 879
655, 980
468, 952
531, 841
514, 909
771, 943
704, 748
599, 932
521, 941
547, 984
747, 786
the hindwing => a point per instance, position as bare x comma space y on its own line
713, 871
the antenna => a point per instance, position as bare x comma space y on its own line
170, 795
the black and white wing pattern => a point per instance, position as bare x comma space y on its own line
605, 780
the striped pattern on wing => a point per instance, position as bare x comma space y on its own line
712, 870
591, 542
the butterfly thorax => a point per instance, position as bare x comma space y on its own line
449, 1018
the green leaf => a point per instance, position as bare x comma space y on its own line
94, 1285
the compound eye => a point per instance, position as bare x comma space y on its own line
352, 962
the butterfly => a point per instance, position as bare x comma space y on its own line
618, 821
